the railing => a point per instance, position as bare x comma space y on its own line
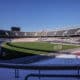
51, 75
41, 68
56, 75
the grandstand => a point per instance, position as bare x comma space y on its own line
71, 35
60, 33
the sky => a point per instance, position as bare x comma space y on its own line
37, 15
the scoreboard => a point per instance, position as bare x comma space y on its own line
15, 28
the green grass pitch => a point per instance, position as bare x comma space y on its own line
37, 47
21, 49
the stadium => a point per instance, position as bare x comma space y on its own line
40, 43
35, 50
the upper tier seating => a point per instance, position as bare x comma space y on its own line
72, 32
18, 34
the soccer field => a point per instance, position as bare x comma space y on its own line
21, 49
37, 47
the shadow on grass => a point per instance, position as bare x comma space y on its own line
11, 54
